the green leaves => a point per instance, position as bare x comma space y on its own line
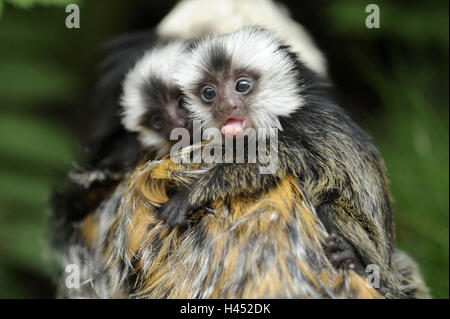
412, 135
32, 141
32, 146
26, 4
412, 128
412, 23
28, 80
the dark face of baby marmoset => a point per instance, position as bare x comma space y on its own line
152, 103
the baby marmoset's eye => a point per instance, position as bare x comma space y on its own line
208, 93
243, 85
157, 122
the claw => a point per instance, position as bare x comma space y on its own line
341, 254
176, 211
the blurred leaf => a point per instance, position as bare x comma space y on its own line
33, 139
15, 186
25, 4
12, 289
18, 41
414, 142
34, 80
24, 243
414, 23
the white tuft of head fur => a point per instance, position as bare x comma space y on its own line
157, 63
253, 49
196, 18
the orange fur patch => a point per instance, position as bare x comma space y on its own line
172, 269
89, 229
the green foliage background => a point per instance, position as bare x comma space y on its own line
45, 67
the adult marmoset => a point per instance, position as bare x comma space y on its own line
267, 246
264, 246
250, 79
